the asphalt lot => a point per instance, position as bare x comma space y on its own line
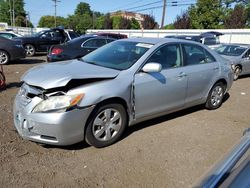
170, 151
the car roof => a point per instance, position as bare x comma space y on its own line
235, 44
158, 40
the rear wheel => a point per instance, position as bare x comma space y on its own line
215, 96
4, 57
106, 126
237, 72
30, 50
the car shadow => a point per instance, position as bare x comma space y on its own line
13, 85
140, 126
171, 116
28, 61
244, 76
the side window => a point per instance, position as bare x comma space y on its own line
168, 56
209, 57
100, 42
47, 34
94, 43
57, 34
90, 43
247, 54
193, 54
109, 40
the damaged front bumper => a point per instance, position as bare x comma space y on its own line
55, 128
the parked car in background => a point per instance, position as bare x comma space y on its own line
76, 48
110, 35
120, 84
238, 55
9, 34
233, 170
210, 39
43, 40
10, 50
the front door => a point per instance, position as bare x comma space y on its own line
162, 91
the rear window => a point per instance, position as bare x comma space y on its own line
73, 35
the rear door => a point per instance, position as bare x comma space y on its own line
202, 71
162, 91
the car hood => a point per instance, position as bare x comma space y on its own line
59, 74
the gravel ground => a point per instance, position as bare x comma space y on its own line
170, 151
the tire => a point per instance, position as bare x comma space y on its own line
237, 72
101, 130
215, 96
30, 50
4, 57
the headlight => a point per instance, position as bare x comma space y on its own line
58, 103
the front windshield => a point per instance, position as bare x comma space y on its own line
118, 55
231, 50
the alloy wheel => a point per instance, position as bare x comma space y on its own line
3, 58
107, 124
30, 51
217, 95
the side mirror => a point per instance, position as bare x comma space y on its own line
152, 67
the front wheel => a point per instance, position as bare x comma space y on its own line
30, 50
106, 125
215, 96
237, 72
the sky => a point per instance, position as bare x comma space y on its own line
38, 8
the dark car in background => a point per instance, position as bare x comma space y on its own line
9, 34
10, 50
110, 35
211, 39
76, 48
238, 55
43, 40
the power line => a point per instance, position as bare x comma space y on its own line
168, 5
144, 5
120, 7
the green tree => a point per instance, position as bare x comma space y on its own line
206, 14
149, 22
116, 20
83, 8
125, 23
100, 22
20, 14
135, 24
49, 21
237, 18
182, 21
107, 22
169, 26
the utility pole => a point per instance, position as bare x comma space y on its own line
163, 13
13, 13
10, 14
55, 1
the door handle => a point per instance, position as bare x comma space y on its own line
182, 74
216, 68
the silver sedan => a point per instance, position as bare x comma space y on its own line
239, 55
122, 83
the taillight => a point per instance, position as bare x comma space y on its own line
56, 51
